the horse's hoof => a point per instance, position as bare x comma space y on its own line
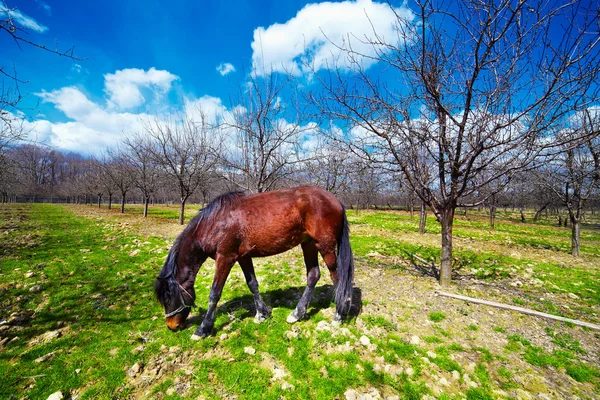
258, 318
337, 320
201, 333
292, 318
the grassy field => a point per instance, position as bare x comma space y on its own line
77, 314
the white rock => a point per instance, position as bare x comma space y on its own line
415, 340
455, 375
136, 368
249, 350
444, 382
409, 371
365, 341
351, 394
50, 335
224, 336
431, 354
323, 326
56, 396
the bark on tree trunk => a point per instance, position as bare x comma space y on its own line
181, 211
575, 237
423, 219
493, 211
522, 215
123, 204
446, 221
539, 212
492, 217
146, 200
99, 200
110, 201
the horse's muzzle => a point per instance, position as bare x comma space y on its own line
173, 324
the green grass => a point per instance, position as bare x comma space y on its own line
96, 289
437, 316
385, 236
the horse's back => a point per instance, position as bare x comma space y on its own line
276, 221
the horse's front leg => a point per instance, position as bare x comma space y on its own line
223, 267
262, 311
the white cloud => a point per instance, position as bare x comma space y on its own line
45, 6
318, 31
92, 128
21, 19
123, 87
225, 68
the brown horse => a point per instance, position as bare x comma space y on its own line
236, 227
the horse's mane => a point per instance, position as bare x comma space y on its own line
205, 215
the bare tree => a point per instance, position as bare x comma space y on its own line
121, 174
476, 84
185, 150
574, 173
329, 166
138, 153
263, 147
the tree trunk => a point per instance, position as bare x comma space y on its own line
447, 219
181, 210
492, 216
110, 201
423, 219
575, 236
123, 204
539, 212
146, 200
522, 215
99, 200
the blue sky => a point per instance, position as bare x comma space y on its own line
188, 39
143, 58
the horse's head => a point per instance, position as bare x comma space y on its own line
176, 300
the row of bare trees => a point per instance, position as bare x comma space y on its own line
478, 100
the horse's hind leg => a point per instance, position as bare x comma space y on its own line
262, 311
223, 267
312, 277
331, 261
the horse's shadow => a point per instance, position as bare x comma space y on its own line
285, 298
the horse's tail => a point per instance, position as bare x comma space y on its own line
345, 269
